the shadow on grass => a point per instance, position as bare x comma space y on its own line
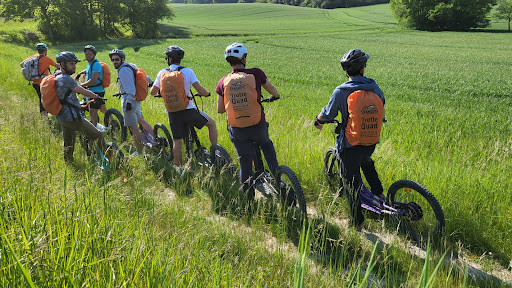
331, 246
171, 31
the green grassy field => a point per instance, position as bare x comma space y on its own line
449, 128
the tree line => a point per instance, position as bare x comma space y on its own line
75, 20
326, 4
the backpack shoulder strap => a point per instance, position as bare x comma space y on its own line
92, 63
90, 71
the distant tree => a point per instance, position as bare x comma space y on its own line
71, 20
143, 16
504, 11
19, 10
437, 15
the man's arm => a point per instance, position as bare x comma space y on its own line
220, 104
200, 89
79, 74
90, 82
126, 81
154, 90
270, 88
85, 92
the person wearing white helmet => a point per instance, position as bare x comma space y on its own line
239, 96
44, 70
354, 149
69, 116
174, 84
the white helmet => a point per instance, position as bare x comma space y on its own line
237, 50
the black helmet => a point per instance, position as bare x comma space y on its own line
66, 56
90, 47
175, 52
117, 52
354, 60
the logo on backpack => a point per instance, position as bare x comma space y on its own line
365, 116
30, 70
172, 88
241, 100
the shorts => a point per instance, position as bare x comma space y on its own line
180, 120
130, 117
98, 102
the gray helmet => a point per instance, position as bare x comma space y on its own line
175, 52
236, 50
354, 60
90, 47
41, 46
66, 56
117, 52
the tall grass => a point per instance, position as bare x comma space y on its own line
448, 111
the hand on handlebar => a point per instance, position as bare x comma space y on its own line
318, 124
272, 98
269, 99
199, 95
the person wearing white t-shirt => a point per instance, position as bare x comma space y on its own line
182, 112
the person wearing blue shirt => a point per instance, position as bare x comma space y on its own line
94, 76
354, 158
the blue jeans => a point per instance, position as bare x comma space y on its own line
243, 139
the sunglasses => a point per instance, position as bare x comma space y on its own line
115, 59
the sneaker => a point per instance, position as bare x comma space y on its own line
180, 171
134, 154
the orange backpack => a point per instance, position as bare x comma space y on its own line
241, 100
49, 97
172, 88
141, 83
105, 82
365, 116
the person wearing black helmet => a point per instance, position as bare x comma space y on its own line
181, 112
356, 155
70, 116
93, 81
239, 96
131, 107
44, 70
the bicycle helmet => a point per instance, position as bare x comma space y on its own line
354, 60
236, 50
66, 56
117, 52
41, 46
175, 52
90, 47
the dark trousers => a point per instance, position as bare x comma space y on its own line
38, 91
242, 139
69, 129
355, 159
